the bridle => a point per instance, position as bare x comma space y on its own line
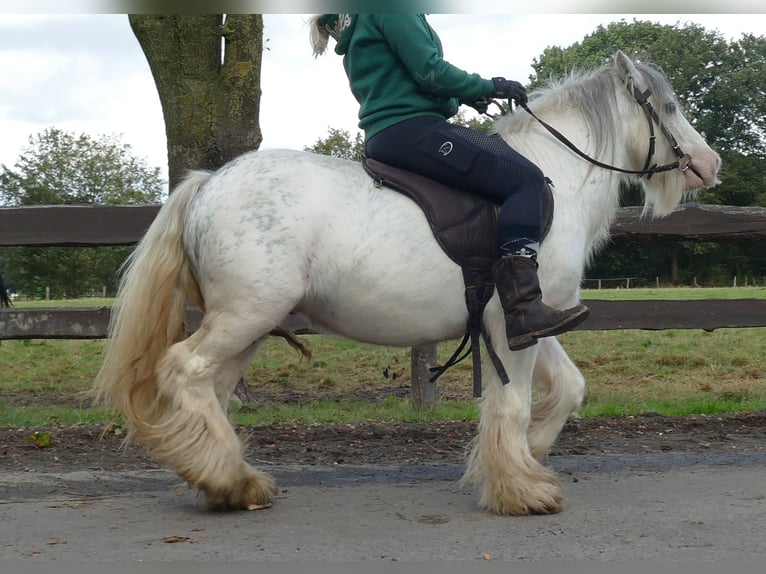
682, 162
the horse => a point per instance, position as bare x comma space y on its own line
279, 231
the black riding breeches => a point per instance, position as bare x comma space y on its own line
470, 160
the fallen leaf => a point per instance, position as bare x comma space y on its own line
174, 539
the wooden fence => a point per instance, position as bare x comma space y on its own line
89, 226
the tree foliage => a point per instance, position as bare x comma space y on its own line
480, 123
339, 143
61, 168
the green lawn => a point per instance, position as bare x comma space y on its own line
627, 372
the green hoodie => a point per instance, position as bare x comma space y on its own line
396, 70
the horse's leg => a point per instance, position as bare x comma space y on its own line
191, 432
231, 372
564, 388
511, 480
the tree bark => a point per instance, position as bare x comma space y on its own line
207, 71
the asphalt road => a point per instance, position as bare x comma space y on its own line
670, 506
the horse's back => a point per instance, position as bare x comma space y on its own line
266, 192
271, 177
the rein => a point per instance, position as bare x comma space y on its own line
683, 160
682, 163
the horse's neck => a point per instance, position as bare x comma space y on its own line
585, 195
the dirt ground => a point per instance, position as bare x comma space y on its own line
87, 447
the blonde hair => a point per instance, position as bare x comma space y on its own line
319, 35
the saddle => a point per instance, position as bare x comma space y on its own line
465, 226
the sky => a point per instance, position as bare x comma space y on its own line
86, 73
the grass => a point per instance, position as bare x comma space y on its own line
675, 293
353, 410
629, 372
671, 372
88, 302
34, 416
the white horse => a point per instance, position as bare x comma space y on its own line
277, 231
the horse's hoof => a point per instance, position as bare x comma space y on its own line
540, 494
552, 503
253, 491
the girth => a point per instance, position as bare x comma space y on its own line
465, 226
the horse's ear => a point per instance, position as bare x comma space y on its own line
624, 65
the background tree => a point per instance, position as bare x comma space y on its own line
478, 122
207, 70
58, 168
339, 143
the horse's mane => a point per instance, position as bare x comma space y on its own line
594, 94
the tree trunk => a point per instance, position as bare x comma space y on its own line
207, 70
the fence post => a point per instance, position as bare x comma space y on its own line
423, 391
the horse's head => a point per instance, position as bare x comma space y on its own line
665, 138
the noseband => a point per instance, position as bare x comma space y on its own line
683, 160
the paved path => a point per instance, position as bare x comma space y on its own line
626, 508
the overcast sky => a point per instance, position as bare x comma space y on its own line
86, 73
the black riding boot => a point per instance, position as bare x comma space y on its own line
527, 318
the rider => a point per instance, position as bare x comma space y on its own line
406, 92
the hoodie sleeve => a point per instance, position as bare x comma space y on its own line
419, 49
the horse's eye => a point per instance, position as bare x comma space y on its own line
671, 108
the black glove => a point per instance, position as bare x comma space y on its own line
510, 90
481, 105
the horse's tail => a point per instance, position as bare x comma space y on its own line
149, 313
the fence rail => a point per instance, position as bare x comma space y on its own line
706, 314
90, 226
